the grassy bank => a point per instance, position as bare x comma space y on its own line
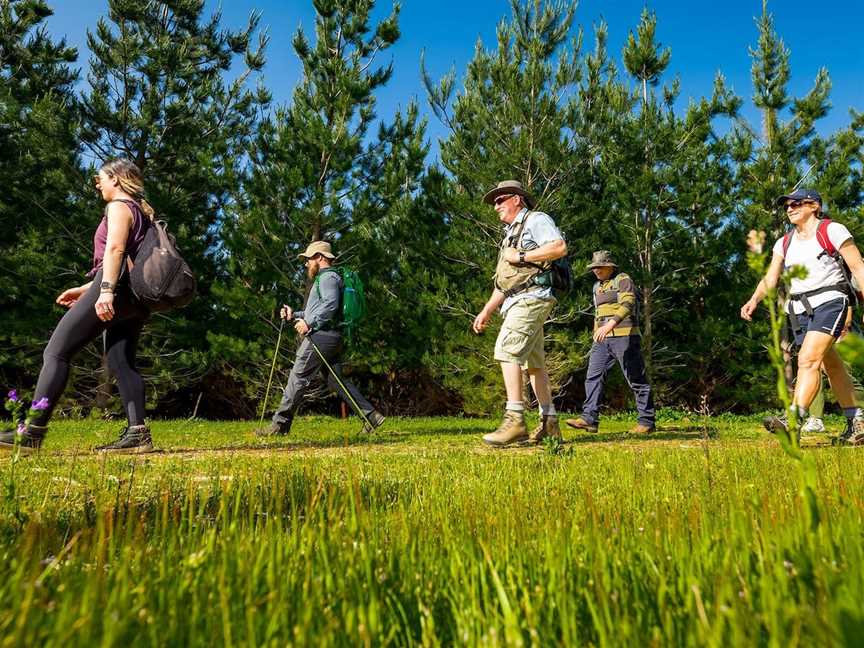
419, 535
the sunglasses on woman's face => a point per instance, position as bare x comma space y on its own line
501, 199
795, 204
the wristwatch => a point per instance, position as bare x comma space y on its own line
522, 256
106, 286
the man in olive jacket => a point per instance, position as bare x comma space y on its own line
616, 339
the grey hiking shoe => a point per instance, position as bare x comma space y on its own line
775, 424
853, 435
135, 439
813, 425
376, 418
274, 429
26, 441
778, 425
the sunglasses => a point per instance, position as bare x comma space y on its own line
501, 199
795, 204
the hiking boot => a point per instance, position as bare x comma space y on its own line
274, 429
775, 424
375, 419
641, 428
779, 424
853, 435
512, 430
547, 428
134, 439
581, 424
27, 441
813, 425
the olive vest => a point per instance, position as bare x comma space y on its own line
513, 278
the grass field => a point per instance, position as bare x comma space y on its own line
419, 535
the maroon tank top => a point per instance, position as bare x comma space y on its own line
140, 223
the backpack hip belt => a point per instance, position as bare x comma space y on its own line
805, 302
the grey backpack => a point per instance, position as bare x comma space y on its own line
159, 277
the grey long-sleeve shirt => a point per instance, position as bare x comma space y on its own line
321, 311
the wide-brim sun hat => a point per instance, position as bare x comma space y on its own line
601, 259
317, 247
509, 187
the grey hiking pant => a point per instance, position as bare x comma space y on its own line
627, 352
307, 364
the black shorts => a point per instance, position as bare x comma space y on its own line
829, 318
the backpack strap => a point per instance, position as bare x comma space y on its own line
318, 279
822, 237
787, 241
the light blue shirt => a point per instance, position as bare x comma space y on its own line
539, 230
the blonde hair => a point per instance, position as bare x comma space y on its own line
130, 179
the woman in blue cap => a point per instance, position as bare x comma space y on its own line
818, 306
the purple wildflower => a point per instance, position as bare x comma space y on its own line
21, 429
41, 404
12, 395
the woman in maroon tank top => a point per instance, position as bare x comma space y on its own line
105, 304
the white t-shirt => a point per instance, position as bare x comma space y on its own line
822, 270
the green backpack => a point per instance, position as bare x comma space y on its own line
353, 300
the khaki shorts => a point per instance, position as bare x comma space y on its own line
520, 340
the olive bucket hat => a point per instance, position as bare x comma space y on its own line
601, 259
509, 187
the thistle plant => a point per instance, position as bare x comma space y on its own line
758, 261
22, 415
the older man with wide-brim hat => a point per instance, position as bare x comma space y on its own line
508, 188
601, 259
318, 325
616, 339
531, 242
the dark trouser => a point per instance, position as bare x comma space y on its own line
79, 326
307, 364
627, 351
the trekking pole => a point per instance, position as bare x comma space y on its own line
804, 177
272, 369
357, 409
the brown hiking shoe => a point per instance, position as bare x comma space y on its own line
581, 424
512, 430
548, 427
641, 428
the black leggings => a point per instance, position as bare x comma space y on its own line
79, 326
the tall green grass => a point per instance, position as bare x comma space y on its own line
420, 536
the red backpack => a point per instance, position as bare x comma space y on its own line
855, 295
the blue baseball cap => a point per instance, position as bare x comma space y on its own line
800, 194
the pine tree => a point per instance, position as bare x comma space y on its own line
41, 231
512, 119
318, 171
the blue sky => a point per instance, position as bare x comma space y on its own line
704, 36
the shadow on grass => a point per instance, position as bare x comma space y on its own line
665, 433
351, 441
